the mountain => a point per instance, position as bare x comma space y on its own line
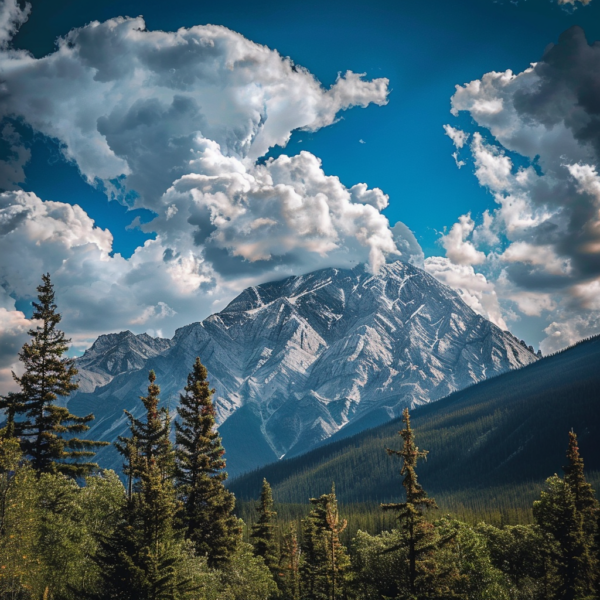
490, 445
295, 361
116, 353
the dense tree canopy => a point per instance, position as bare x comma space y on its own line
170, 532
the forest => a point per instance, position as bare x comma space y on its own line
492, 445
169, 528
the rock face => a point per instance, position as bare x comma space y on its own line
295, 361
116, 353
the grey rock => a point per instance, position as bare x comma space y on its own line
116, 353
306, 357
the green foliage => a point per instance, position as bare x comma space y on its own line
19, 527
380, 564
246, 576
417, 535
483, 462
200, 465
50, 532
522, 553
263, 531
288, 573
146, 556
47, 431
567, 512
460, 568
325, 568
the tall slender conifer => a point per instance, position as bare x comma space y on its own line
326, 563
568, 511
288, 576
47, 432
410, 514
144, 557
200, 469
263, 531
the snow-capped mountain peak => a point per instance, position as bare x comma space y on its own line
295, 361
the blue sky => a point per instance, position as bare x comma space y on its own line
505, 263
424, 48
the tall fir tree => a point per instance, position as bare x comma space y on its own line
263, 531
313, 566
583, 493
326, 565
200, 472
288, 576
419, 534
47, 432
143, 558
568, 511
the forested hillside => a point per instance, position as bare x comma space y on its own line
72, 531
490, 445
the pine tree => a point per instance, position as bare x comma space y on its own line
263, 531
10, 404
568, 512
583, 493
208, 505
47, 431
142, 560
288, 577
418, 532
326, 562
339, 561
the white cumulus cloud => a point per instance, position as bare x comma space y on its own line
545, 228
174, 122
458, 248
476, 291
133, 103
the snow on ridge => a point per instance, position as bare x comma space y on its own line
386, 341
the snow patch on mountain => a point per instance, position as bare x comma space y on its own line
308, 356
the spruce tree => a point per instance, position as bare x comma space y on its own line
143, 558
313, 568
208, 505
568, 511
583, 493
338, 559
263, 531
288, 577
47, 431
326, 563
419, 534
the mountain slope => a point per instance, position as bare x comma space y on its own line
506, 432
116, 353
308, 355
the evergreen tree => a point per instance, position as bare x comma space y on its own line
143, 559
47, 431
418, 533
263, 531
11, 405
583, 493
208, 505
313, 574
568, 512
326, 565
289, 565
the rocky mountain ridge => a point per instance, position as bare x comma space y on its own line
297, 360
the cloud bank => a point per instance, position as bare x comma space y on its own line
542, 242
178, 123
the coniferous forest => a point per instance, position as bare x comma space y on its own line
168, 529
